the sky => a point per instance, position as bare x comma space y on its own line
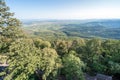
65, 9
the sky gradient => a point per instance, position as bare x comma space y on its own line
65, 9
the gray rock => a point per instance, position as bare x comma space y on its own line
103, 77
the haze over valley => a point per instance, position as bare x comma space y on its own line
91, 28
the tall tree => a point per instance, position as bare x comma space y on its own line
6, 17
9, 30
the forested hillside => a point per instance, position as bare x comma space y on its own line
104, 28
29, 57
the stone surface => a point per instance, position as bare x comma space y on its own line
103, 77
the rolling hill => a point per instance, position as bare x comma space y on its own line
103, 28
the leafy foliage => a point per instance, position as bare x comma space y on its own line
30, 58
6, 17
72, 67
26, 61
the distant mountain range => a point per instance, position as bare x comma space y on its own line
103, 28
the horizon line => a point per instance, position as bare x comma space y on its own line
69, 19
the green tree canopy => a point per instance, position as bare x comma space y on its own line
27, 61
72, 67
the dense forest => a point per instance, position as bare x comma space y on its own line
33, 58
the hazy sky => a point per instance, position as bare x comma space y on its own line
65, 9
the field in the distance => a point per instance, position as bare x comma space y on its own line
73, 28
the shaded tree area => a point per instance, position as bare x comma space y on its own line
99, 56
